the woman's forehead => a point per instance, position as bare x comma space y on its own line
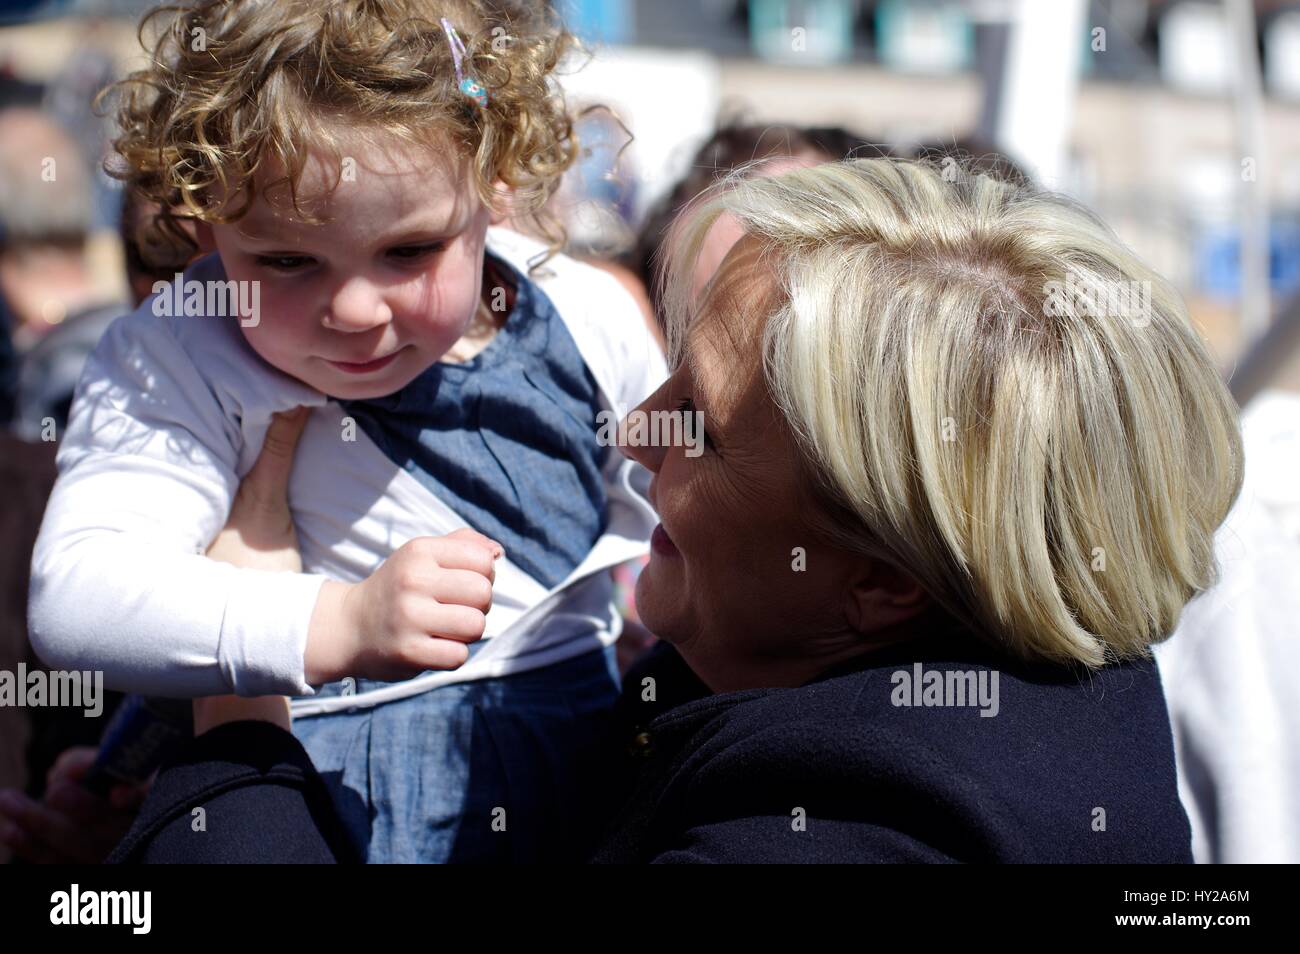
723, 347
737, 301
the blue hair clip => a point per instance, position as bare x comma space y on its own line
467, 84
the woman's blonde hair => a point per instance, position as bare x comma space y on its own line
993, 393
235, 83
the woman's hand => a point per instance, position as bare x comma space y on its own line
259, 532
259, 535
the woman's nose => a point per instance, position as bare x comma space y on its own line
632, 437
357, 305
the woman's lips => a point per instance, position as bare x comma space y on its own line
365, 367
661, 543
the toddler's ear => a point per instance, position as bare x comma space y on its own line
501, 209
203, 236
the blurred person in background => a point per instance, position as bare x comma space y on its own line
732, 145
59, 309
69, 99
56, 820
50, 369
1230, 666
45, 216
8, 367
52, 314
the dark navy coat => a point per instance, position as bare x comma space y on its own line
860, 765
1073, 767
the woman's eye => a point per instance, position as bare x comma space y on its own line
687, 406
409, 253
283, 263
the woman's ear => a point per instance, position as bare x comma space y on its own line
880, 596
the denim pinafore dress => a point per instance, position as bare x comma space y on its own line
492, 769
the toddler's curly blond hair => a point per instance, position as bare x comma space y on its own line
235, 83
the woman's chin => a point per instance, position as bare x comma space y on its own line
658, 604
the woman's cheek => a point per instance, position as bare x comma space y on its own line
687, 501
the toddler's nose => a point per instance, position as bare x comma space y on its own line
357, 305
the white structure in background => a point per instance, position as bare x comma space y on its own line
1229, 670
1035, 115
1196, 48
1211, 48
1255, 304
1282, 54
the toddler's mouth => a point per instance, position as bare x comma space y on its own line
365, 367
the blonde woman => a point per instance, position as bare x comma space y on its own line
964, 460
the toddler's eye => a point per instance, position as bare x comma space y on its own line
282, 263
409, 253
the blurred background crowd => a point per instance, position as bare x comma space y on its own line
1177, 120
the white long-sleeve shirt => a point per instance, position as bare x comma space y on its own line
171, 413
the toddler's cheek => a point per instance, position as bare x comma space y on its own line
443, 328
272, 349
252, 336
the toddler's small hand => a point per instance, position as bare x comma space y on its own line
416, 612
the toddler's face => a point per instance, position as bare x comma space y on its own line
360, 305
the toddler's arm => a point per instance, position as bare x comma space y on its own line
147, 476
